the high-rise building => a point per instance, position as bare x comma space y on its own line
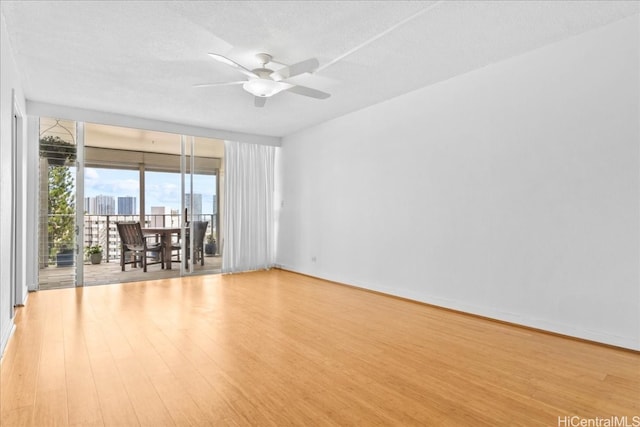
104, 205
157, 216
197, 204
127, 205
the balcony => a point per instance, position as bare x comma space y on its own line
101, 230
110, 273
144, 168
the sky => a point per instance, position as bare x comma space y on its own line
162, 189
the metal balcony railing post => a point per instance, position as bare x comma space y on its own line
107, 239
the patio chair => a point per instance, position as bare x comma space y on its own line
134, 242
199, 229
176, 246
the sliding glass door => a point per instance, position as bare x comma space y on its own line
58, 247
94, 176
201, 196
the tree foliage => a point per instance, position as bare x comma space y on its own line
61, 200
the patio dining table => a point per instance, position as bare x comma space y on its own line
165, 239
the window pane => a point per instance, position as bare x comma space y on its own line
162, 199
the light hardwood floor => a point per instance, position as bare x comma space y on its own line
277, 348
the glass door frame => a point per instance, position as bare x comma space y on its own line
189, 173
74, 257
188, 162
186, 142
183, 208
79, 225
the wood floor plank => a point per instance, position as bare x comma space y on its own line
21, 373
20, 417
50, 406
277, 348
82, 396
115, 405
149, 408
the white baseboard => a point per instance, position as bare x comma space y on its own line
513, 318
5, 335
22, 300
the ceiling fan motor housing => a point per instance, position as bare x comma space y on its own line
263, 73
264, 58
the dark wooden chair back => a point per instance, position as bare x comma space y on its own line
131, 235
199, 230
134, 243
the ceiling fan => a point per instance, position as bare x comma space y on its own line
263, 82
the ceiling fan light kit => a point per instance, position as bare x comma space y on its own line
264, 88
264, 82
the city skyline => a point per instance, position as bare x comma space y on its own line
118, 205
162, 188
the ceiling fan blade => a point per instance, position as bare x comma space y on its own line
234, 64
259, 101
307, 91
220, 84
307, 66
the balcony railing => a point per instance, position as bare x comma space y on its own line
102, 230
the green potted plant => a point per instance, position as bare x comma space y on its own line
94, 253
210, 246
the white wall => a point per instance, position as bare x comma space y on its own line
9, 80
510, 192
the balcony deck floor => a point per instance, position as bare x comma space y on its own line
109, 272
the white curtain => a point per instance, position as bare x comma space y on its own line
248, 210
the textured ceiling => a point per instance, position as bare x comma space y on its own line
142, 58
